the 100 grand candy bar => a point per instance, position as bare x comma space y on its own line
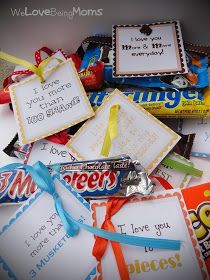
119, 176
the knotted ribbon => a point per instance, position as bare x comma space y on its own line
41, 176
113, 206
38, 70
111, 131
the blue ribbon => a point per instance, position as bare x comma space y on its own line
41, 176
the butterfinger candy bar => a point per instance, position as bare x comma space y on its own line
164, 104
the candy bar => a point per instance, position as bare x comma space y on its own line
16, 185
120, 176
171, 104
14, 149
184, 146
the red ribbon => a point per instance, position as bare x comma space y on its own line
61, 137
165, 184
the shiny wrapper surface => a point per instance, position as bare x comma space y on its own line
114, 176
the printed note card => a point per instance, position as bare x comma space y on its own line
201, 128
42, 109
140, 135
136, 53
34, 245
161, 216
49, 153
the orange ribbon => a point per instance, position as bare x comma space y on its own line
99, 248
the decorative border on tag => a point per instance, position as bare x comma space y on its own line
178, 46
24, 208
166, 148
19, 120
187, 221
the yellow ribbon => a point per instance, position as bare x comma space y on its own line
111, 131
36, 70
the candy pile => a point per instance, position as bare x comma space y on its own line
178, 103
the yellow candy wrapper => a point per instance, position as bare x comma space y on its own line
164, 104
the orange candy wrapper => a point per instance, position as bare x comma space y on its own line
197, 200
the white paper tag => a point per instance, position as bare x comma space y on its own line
138, 54
37, 235
163, 216
49, 153
140, 135
44, 109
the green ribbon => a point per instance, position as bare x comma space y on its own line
182, 167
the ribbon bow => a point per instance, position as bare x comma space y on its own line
113, 206
45, 182
38, 70
41, 176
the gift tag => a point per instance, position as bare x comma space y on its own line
162, 216
176, 178
140, 135
148, 50
43, 109
199, 209
201, 127
37, 235
49, 152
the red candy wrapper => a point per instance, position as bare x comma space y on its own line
92, 77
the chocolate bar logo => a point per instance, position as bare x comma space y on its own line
75, 11
16, 185
171, 99
200, 219
92, 181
